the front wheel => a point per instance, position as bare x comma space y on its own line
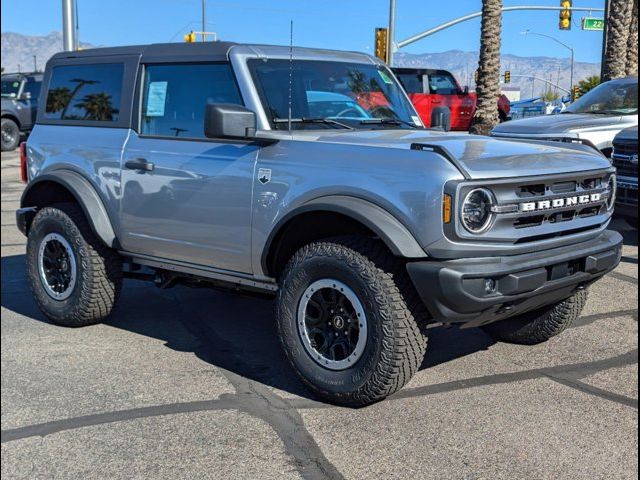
345, 324
539, 326
74, 277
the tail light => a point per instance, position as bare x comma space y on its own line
23, 162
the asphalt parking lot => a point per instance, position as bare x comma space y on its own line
191, 383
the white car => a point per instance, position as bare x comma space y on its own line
596, 117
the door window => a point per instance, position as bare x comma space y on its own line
175, 96
443, 84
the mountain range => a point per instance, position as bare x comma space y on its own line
19, 52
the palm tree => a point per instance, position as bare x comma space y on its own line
588, 83
618, 23
488, 84
97, 106
632, 43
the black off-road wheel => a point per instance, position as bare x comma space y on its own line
346, 320
10, 135
539, 326
75, 278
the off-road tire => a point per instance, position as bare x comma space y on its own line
395, 345
99, 268
10, 126
539, 326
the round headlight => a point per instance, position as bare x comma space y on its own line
476, 212
613, 192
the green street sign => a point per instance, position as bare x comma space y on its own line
593, 24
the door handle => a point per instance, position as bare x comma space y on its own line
140, 164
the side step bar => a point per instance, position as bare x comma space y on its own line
233, 278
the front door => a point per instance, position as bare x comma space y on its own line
186, 197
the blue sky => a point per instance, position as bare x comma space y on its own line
341, 24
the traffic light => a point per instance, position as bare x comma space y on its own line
577, 92
565, 14
507, 76
382, 38
190, 37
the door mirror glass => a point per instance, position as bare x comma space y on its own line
25, 96
224, 120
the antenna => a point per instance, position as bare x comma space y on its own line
290, 76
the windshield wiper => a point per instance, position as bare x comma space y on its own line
309, 121
387, 121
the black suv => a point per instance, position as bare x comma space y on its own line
625, 159
20, 93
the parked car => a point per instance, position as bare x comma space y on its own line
20, 92
440, 100
625, 159
597, 117
207, 164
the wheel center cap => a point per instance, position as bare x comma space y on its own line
338, 322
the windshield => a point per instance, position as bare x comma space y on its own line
10, 87
354, 94
614, 98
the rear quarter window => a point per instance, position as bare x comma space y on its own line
85, 93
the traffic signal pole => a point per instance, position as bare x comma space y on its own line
471, 16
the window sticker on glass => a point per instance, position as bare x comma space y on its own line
385, 77
156, 99
416, 120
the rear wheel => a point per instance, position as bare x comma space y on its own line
346, 326
539, 326
10, 135
74, 277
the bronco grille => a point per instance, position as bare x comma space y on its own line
531, 210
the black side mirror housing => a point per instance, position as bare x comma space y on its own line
466, 90
225, 120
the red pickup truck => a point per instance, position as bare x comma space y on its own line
434, 92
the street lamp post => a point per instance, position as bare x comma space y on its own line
528, 32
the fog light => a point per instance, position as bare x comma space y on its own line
490, 286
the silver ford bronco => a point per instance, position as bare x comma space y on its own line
306, 175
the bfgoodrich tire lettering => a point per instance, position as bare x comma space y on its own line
395, 346
539, 326
98, 268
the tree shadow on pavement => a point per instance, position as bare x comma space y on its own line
233, 332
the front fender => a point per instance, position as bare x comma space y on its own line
390, 230
83, 192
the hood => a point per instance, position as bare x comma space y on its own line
554, 124
627, 136
477, 157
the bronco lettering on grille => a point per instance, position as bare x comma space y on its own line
561, 202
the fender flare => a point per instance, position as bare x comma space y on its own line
86, 196
391, 231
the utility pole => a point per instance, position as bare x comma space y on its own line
605, 32
392, 32
35, 64
204, 20
69, 25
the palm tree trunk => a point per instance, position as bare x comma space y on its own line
632, 43
617, 35
488, 85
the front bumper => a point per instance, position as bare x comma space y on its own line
455, 291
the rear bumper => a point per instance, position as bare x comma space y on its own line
455, 291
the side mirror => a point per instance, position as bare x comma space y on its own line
465, 90
25, 96
224, 120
